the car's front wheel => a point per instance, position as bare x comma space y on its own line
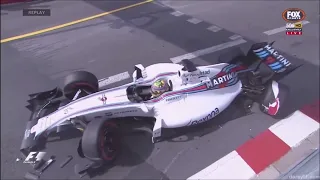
84, 81
101, 141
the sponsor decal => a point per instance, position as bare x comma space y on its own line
174, 98
108, 114
293, 15
103, 98
120, 112
202, 73
273, 59
223, 79
278, 56
214, 113
34, 157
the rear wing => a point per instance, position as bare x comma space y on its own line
275, 61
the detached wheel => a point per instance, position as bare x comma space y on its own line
80, 80
101, 141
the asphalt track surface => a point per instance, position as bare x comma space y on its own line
145, 34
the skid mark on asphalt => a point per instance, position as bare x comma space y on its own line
208, 50
73, 22
238, 40
193, 35
196, 35
184, 31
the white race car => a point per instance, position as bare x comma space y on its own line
197, 94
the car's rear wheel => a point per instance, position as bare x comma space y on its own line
101, 141
80, 80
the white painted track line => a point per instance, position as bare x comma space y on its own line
113, 79
281, 29
231, 166
207, 50
295, 128
177, 13
214, 28
194, 21
234, 37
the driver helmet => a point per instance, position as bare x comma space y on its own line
159, 87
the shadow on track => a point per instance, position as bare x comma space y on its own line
131, 143
135, 142
234, 111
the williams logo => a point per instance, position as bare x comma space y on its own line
293, 15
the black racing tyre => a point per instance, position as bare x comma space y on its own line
101, 141
83, 80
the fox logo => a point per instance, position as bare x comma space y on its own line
293, 15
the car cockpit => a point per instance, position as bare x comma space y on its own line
141, 93
188, 74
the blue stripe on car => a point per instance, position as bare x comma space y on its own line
229, 68
264, 55
275, 64
277, 67
260, 53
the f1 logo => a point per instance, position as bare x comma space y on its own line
34, 157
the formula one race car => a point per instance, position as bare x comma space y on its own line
197, 94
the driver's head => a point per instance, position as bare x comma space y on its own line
159, 87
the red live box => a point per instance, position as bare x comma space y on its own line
298, 33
